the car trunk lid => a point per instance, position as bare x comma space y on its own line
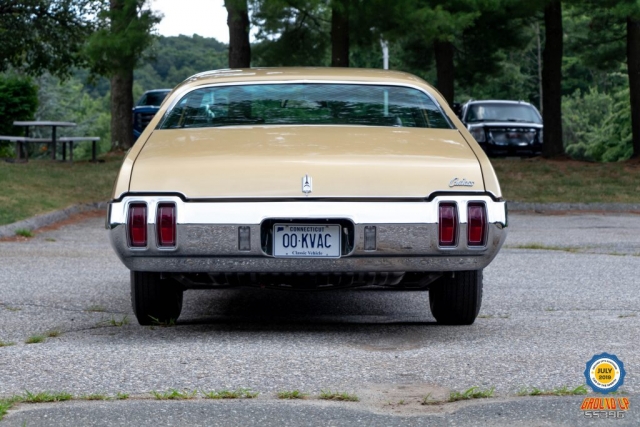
271, 162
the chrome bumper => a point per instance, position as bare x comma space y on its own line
207, 236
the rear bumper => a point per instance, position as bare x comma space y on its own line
207, 236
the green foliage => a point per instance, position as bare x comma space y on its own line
291, 394
94, 396
170, 60
122, 36
597, 125
338, 395
493, 45
291, 32
46, 396
545, 181
231, 394
23, 232
18, 101
5, 405
35, 339
68, 101
165, 64
41, 35
560, 391
174, 394
41, 186
472, 393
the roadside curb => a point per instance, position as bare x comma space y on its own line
44, 220
573, 207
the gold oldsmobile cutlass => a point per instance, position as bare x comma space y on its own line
306, 178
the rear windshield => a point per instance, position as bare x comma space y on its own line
305, 104
498, 112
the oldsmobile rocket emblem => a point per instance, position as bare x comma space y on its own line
307, 184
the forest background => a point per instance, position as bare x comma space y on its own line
492, 49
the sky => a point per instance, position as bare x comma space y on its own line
207, 18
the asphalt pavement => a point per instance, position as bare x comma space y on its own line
564, 288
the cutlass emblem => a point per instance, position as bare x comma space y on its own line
307, 184
455, 182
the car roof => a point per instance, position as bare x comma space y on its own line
302, 74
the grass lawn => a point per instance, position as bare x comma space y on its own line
549, 181
40, 186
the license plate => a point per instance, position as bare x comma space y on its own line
306, 241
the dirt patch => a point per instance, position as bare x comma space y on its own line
403, 398
412, 399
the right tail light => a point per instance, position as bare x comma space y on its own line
476, 224
166, 225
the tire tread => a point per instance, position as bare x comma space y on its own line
456, 300
155, 298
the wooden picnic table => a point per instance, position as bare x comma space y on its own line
53, 126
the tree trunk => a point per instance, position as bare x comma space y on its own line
121, 85
238, 22
121, 106
552, 81
340, 33
444, 66
633, 65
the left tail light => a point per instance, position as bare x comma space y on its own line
166, 225
447, 224
137, 225
477, 224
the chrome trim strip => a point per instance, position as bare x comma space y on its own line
245, 213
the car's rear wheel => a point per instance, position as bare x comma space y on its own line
155, 300
456, 297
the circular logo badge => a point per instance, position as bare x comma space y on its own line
604, 373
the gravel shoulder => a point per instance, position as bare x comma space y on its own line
563, 289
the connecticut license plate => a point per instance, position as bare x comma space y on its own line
306, 240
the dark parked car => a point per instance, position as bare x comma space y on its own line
147, 107
504, 128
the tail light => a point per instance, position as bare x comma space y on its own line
137, 224
476, 224
448, 224
166, 224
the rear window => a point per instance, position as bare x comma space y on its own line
305, 104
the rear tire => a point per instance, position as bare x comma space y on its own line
155, 300
455, 299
